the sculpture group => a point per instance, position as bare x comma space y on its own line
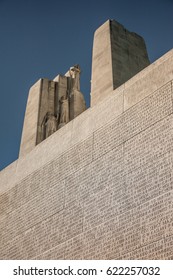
64, 101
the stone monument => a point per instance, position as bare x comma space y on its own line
118, 55
51, 105
101, 187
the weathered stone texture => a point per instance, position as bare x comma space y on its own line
102, 190
129, 54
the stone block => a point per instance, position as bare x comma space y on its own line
148, 111
117, 56
107, 138
149, 80
149, 144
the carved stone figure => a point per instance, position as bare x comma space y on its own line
50, 124
75, 74
64, 110
54, 110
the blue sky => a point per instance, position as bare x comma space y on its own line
40, 39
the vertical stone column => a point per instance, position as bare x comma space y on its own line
117, 56
29, 133
102, 79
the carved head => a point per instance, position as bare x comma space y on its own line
75, 68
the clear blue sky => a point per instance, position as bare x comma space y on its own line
40, 39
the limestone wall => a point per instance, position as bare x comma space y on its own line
101, 187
